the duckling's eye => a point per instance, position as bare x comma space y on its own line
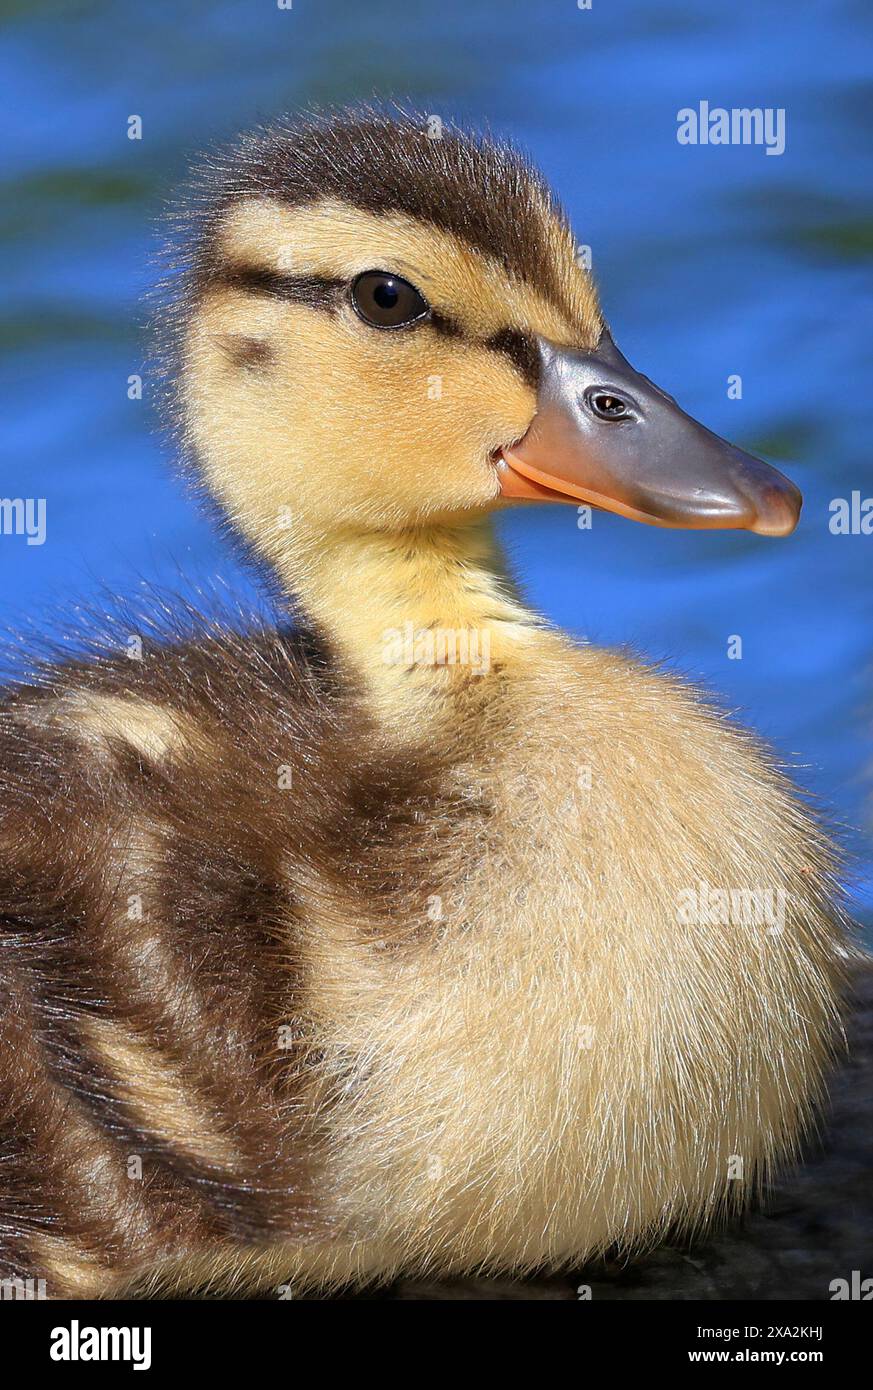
386, 301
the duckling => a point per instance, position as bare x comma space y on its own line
407, 934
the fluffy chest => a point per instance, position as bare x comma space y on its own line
564, 1057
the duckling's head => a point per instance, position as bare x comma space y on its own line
386, 325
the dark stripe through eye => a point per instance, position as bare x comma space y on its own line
327, 292
317, 291
521, 349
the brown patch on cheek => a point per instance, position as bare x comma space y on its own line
246, 352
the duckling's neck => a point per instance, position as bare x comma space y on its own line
421, 617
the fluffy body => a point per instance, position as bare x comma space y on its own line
380, 965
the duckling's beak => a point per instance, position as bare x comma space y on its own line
605, 435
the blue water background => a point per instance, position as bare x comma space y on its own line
712, 261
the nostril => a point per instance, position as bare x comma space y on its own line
606, 404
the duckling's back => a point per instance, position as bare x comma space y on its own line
162, 817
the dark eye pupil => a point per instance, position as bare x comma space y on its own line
386, 295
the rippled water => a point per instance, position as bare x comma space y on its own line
712, 261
